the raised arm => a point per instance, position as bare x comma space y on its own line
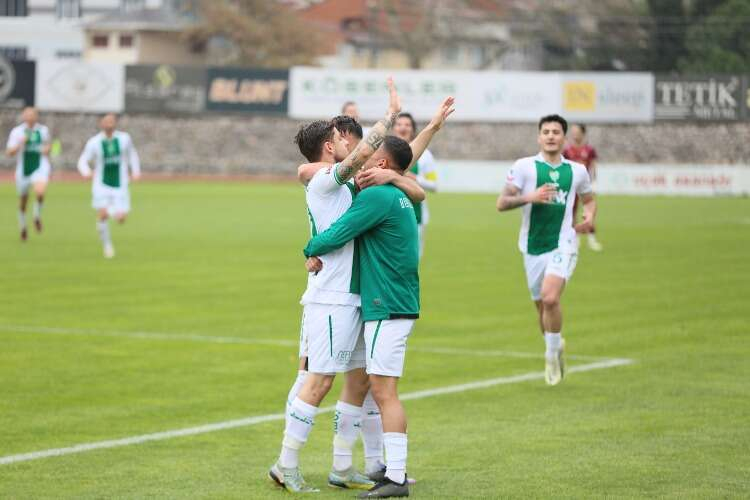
421, 141
366, 212
367, 146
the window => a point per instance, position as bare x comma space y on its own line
450, 54
68, 54
14, 8
68, 9
13, 53
126, 41
100, 41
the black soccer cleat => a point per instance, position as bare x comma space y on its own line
387, 489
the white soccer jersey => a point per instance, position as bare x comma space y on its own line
338, 282
426, 171
111, 157
29, 157
546, 227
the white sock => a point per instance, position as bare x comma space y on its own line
102, 227
21, 220
372, 435
300, 420
395, 451
552, 341
38, 209
294, 390
346, 425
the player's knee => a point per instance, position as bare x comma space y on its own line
383, 392
550, 300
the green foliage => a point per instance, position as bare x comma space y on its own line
720, 42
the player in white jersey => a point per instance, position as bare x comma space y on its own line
112, 152
424, 170
545, 187
29, 142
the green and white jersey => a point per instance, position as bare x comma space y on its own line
382, 219
426, 171
29, 158
338, 282
546, 227
111, 157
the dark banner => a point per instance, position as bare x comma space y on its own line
248, 90
165, 88
17, 80
711, 97
746, 97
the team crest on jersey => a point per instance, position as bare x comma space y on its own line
554, 175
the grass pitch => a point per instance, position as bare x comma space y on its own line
94, 350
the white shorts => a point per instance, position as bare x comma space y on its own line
556, 262
333, 336
24, 183
385, 341
116, 201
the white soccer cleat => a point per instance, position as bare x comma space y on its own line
109, 251
595, 245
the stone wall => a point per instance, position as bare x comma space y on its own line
238, 144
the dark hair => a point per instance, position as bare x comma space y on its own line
554, 118
347, 104
311, 137
411, 119
399, 150
347, 125
582, 126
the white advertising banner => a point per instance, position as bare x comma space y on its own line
608, 97
79, 86
628, 179
480, 96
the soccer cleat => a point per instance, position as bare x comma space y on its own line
109, 251
349, 479
24, 234
387, 489
379, 475
290, 479
595, 245
38, 225
552, 371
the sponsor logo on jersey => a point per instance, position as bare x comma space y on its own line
405, 203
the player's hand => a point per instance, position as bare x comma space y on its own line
375, 177
444, 111
136, 177
87, 175
543, 194
585, 226
313, 265
394, 101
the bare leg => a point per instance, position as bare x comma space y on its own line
552, 289
23, 200
385, 392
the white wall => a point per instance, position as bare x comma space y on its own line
44, 37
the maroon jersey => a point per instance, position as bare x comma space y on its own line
582, 154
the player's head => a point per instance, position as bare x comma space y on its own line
349, 130
108, 123
320, 141
395, 154
552, 130
350, 109
578, 133
405, 127
30, 116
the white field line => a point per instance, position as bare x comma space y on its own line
196, 337
244, 422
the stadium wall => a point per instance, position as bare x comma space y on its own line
263, 144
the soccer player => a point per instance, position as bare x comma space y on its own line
112, 152
382, 219
29, 142
351, 110
331, 324
425, 170
545, 187
582, 152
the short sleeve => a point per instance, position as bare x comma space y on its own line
13, 138
516, 175
593, 155
584, 186
45, 135
324, 181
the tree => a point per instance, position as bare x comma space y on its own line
720, 41
254, 32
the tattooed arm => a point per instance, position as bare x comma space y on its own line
511, 196
367, 147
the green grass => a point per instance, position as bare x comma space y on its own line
670, 291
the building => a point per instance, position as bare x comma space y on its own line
125, 31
